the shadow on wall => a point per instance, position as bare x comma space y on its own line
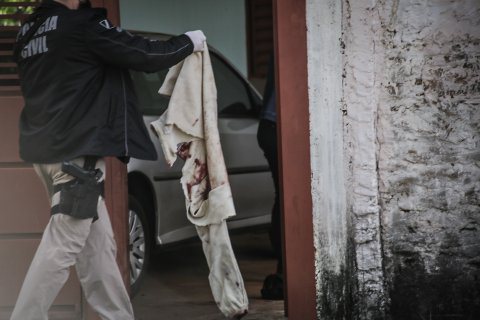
452, 292
341, 297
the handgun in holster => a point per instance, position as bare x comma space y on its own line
79, 197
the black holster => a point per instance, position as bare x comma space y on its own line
79, 197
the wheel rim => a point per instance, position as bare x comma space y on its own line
136, 246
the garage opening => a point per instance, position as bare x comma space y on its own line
143, 195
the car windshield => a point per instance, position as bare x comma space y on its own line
233, 94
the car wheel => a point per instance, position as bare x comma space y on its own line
139, 243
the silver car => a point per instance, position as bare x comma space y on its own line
157, 213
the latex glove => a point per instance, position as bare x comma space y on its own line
198, 39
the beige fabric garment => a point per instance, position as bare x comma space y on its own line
188, 129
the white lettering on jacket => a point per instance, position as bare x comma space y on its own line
49, 25
35, 46
38, 44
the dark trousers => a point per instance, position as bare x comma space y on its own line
267, 140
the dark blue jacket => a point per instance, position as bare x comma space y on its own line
79, 97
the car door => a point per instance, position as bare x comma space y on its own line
249, 176
171, 222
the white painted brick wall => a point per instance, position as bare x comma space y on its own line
410, 102
429, 146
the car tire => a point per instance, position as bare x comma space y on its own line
139, 243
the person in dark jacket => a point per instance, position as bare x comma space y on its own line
80, 105
267, 140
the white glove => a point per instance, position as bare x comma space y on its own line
198, 39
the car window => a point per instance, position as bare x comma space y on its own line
233, 94
146, 87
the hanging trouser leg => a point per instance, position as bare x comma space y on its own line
225, 278
99, 274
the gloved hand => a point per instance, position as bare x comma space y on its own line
198, 39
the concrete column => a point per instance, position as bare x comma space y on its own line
343, 84
363, 63
396, 84
334, 269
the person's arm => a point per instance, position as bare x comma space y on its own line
119, 47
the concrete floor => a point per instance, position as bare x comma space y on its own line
176, 284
